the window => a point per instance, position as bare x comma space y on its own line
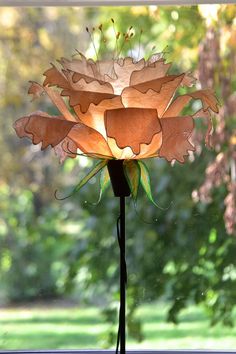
59, 259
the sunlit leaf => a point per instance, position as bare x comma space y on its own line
145, 181
91, 174
132, 172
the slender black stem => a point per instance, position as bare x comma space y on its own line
123, 277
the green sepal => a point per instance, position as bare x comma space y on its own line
92, 173
132, 173
145, 181
104, 183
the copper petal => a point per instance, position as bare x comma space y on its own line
42, 128
92, 86
66, 148
132, 126
206, 114
79, 66
75, 77
207, 97
155, 84
84, 99
175, 134
123, 71
148, 73
36, 89
148, 150
151, 99
55, 78
94, 117
89, 140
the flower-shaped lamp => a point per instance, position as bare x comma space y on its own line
119, 111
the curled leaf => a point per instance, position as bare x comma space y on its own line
132, 173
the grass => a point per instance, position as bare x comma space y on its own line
57, 327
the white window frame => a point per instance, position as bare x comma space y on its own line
95, 3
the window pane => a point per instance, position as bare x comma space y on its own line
59, 259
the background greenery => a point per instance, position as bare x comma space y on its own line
181, 254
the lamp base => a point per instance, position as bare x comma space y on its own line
118, 180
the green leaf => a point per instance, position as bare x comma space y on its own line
145, 181
132, 173
91, 174
104, 183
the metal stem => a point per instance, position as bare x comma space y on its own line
122, 277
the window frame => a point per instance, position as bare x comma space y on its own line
112, 3
96, 3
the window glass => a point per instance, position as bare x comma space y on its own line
59, 260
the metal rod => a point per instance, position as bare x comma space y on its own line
122, 277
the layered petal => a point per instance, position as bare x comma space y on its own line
92, 85
37, 90
54, 77
176, 132
131, 127
82, 66
42, 128
152, 99
94, 117
120, 154
123, 70
152, 149
156, 84
66, 148
85, 98
154, 71
207, 96
89, 141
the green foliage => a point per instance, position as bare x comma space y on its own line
48, 248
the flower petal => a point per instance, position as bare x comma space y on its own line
89, 141
82, 66
84, 98
206, 114
94, 117
66, 148
55, 78
91, 86
207, 96
42, 128
132, 126
123, 70
175, 134
154, 71
120, 154
149, 150
37, 90
151, 99
155, 84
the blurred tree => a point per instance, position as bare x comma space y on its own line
60, 248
